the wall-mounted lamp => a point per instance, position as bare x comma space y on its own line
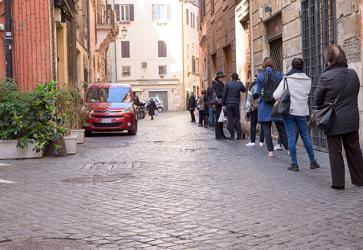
268, 8
124, 32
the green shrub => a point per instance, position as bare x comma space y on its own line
30, 116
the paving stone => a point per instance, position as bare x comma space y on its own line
180, 189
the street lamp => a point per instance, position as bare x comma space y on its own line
124, 32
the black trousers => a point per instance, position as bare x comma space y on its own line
253, 129
201, 117
353, 153
266, 126
192, 115
234, 117
219, 125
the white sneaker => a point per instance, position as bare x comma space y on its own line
262, 144
278, 147
251, 144
271, 154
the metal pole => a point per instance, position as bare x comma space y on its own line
252, 61
8, 39
115, 45
183, 56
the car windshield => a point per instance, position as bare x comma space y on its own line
111, 94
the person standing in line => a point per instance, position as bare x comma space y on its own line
212, 102
299, 85
267, 82
192, 104
252, 113
232, 99
344, 129
200, 106
218, 86
151, 107
206, 109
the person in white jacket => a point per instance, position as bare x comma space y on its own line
299, 85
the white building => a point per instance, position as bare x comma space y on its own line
149, 55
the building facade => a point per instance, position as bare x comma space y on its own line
47, 40
284, 30
217, 39
154, 49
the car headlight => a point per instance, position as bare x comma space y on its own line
129, 110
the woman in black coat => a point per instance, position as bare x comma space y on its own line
345, 124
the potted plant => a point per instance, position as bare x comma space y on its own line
50, 129
16, 123
72, 104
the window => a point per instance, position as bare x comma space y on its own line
124, 12
162, 69
187, 15
191, 19
197, 65
211, 7
126, 71
193, 64
125, 49
161, 49
144, 65
111, 94
161, 12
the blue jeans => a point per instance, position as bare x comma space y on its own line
293, 123
211, 117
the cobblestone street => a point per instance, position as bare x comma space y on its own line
174, 187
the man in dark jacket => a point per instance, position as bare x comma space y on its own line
192, 104
218, 87
231, 99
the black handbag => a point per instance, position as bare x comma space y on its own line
322, 117
282, 106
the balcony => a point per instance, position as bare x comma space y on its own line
67, 7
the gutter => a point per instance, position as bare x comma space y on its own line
8, 39
252, 61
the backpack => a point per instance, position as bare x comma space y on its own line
270, 84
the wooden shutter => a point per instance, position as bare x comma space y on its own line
169, 11
132, 12
187, 14
154, 12
117, 12
161, 49
125, 49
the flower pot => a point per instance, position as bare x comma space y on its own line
80, 135
56, 148
71, 144
9, 150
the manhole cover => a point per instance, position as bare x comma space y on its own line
112, 165
96, 179
45, 245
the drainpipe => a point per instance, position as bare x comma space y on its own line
252, 61
8, 39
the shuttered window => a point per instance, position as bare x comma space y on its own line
187, 15
124, 12
125, 49
161, 12
161, 49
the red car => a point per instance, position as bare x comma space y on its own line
109, 107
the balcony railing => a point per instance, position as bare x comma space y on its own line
105, 15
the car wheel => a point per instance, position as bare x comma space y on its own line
160, 109
88, 133
134, 131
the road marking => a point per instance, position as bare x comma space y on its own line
6, 182
5, 165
